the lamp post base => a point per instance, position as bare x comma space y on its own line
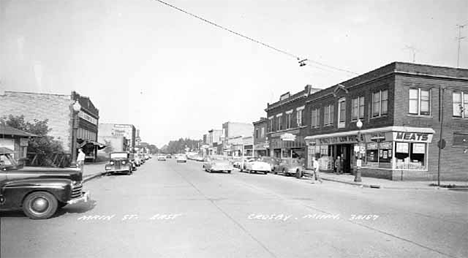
357, 175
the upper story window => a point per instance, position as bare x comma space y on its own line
380, 103
279, 122
315, 118
256, 133
289, 119
270, 124
262, 132
358, 108
420, 102
460, 104
341, 113
328, 115
299, 114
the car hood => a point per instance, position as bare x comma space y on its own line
73, 174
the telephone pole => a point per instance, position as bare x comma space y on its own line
459, 38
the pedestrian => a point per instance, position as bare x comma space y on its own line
80, 159
338, 165
315, 165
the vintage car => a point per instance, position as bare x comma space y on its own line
239, 162
181, 158
120, 163
217, 165
274, 162
289, 166
38, 191
161, 158
255, 166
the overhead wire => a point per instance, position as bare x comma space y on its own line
301, 60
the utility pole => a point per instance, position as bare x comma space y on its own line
459, 38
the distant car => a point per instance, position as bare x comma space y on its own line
255, 166
161, 158
290, 166
217, 165
169, 156
274, 162
239, 162
120, 163
181, 158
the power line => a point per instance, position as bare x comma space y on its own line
301, 61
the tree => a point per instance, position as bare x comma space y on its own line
43, 145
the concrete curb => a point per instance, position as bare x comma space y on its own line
93, 176
352, 183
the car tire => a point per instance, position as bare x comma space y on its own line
40, 205
229, 171
299, 173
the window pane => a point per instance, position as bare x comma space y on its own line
361, 107
465, 109
384, 107
424, 95
342, 111
384, 95
456, 96
332, 114
413, 106
413, 94
425, 107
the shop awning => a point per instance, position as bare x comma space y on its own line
4, 150
100, 146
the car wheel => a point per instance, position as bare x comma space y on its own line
299, 173
229, 171
129, 172
40, 205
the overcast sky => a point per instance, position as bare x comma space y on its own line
172, 75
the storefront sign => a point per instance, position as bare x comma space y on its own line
87, 117
412, 137
288, 137
402, 147
377, 137
341, 139
419, 148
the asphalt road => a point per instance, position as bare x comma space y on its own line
167, 209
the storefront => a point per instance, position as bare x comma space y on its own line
387, 152
287, 145
260, 149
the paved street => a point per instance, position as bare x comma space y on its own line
167, 209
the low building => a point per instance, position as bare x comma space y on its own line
15, 140
232, 135
127, 131
260, 143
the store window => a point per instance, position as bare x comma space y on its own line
460, 104
379, 154
420, 102
410, 155
358, 108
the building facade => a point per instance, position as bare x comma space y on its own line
214, 142
260, 143
405, 110
128, 131
232, 134
72, 119
286, 125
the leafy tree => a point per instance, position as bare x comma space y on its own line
43, 144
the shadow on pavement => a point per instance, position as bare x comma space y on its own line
76, 208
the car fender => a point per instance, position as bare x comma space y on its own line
14, 192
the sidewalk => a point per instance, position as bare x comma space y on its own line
93, 170
389, 184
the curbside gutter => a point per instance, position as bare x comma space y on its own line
93, 176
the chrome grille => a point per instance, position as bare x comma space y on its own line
76, 190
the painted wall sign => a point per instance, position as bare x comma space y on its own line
288, 137
87, 117
412, 137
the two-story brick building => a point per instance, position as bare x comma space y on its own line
405, 109
286, 125
260, 143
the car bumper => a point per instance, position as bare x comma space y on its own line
84, 198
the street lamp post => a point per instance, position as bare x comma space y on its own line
357, 175
76, 109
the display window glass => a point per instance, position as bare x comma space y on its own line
410, 155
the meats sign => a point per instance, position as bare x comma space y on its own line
412, 137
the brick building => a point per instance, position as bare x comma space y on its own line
214, 142
69, 116
128, 131
260, 138
286, 125
405, 109
232, 134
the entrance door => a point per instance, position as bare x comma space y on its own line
345, 152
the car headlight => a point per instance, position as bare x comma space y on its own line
123, 162
112, 162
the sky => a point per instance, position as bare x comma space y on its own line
174, 76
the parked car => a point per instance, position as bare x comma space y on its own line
255, 166
289, 166
239, 162
181, 158
39, 192
217, 165
274, 162
120, 163
161, 158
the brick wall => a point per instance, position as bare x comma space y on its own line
55, 108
